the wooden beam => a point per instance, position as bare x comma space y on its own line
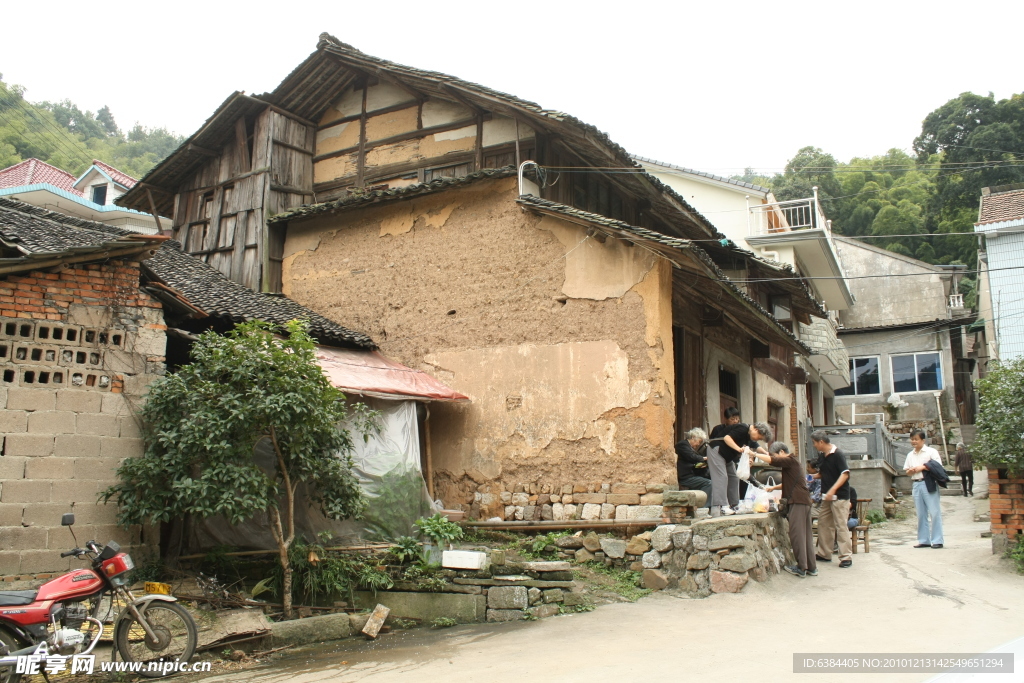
289, 115
289, 189
201, 150
233, 179
361, 159
423, 132
297, 148
478, 157
457, 96
408, 104
242, 142
152, 210
385, 76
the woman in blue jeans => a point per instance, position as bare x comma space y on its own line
926, 502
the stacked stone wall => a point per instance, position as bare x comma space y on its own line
77, 350
567, 501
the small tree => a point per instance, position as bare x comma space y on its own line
1000, 441
202, 425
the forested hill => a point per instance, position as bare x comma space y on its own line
61, 134
969, 143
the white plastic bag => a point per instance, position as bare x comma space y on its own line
776, 494
743, 467
761, 498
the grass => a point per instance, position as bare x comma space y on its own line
1016, 553
443, 622
621, 581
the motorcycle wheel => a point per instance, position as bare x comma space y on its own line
7, 674
176, 637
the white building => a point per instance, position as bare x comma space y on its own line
794, 233
89, 196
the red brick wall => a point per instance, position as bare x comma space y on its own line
46, 296
794, 429
1006, 503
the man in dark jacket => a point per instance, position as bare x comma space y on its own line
691, 466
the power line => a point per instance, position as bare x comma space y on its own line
60, 135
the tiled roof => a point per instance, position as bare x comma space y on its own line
316, 83
359, 199
1001, 206
36, 172
36, 232
208, 289
705, 174
117, 176
647, 235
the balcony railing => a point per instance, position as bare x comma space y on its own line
956, 300
795, 214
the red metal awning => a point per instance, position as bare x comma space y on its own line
369, 373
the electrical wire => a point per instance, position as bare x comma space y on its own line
80, 152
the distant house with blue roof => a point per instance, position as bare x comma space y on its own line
90, 196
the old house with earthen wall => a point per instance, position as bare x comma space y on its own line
581, 304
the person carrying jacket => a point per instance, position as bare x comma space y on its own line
918, 465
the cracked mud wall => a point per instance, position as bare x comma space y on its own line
562, 342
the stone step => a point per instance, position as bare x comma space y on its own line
533, 583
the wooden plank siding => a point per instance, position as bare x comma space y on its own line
220, 213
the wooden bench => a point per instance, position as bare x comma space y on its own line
862, 530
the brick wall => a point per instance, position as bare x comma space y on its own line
1006, 506
77, 350
794, 430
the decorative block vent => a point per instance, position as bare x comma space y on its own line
36, 353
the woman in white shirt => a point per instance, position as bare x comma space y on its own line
927, 503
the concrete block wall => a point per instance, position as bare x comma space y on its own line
77, 350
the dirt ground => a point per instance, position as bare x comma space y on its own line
894, 599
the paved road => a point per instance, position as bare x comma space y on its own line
895, 599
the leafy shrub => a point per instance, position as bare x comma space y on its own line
439, 529
405, 549
875, 516
1016, 553
1000, 415
443, 622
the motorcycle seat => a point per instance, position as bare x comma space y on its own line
14, 598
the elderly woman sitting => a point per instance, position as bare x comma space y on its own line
691, 466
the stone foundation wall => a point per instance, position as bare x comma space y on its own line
568, 501
717, 555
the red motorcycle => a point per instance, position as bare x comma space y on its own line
65, 616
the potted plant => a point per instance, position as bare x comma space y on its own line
439, 533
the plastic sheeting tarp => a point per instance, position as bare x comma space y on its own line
371, 374
387, 465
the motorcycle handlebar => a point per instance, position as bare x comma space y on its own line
76, 552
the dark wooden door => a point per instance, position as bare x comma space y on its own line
690, 403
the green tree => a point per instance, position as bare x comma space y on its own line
203, 423
1000, 442
60, 133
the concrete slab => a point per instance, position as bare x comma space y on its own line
427, 606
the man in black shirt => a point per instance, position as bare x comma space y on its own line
835, 501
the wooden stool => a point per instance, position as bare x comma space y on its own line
863, 529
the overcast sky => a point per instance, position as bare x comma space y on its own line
717, 86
